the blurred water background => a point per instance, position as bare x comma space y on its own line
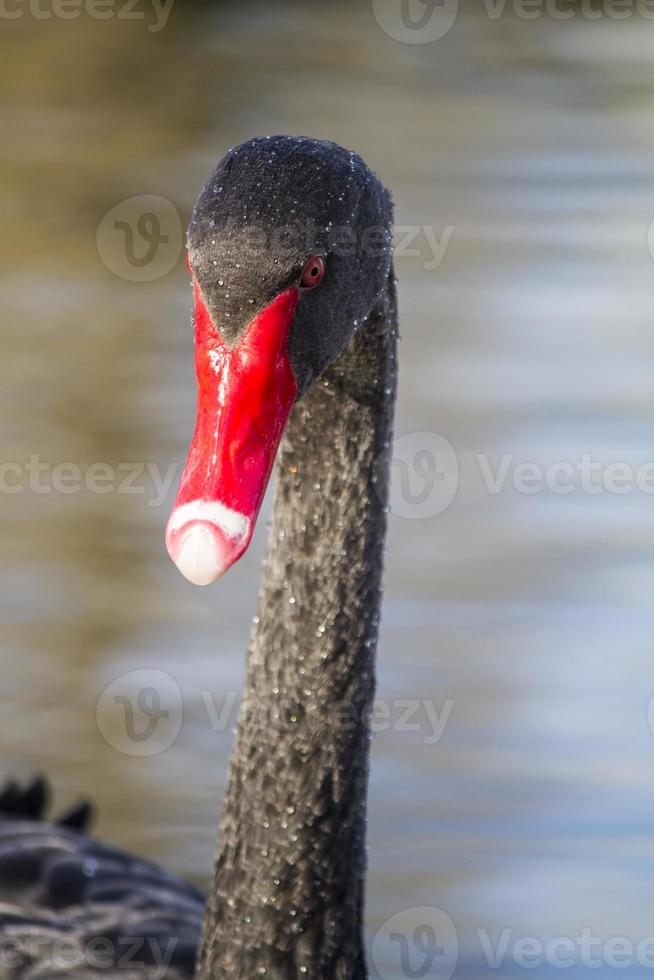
525, 619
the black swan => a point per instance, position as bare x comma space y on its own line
290, 251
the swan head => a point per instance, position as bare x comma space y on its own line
289, 247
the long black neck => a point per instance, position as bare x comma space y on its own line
286, 899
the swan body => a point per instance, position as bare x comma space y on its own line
73, 907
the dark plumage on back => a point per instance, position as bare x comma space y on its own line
72, 907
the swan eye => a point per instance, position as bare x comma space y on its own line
313, 272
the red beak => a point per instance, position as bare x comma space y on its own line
245, 396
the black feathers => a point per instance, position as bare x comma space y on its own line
72, 907
270, 205
33, 801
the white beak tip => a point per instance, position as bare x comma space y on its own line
198, 558
205, 538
